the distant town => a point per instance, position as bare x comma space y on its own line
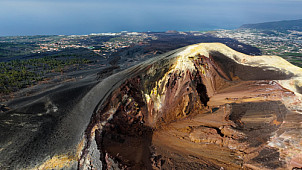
287, 44
26, 61
284, 44
117, 41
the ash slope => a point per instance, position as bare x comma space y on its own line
202, 106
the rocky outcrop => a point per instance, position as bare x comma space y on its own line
209, 105
205, 106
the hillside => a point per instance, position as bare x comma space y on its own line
204, 106
277, 25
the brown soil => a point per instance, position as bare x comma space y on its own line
209, 119
226, 134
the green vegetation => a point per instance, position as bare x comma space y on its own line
296, 63
23, 45
28, 60
17, 74
16, 49
292, 54
294, 58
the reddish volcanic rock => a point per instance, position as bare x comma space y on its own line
202, 108
205, 106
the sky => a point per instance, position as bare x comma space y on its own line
78, 17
